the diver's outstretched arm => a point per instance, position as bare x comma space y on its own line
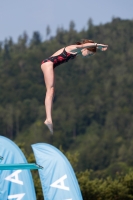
73, 48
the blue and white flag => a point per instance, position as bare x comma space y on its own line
14, 184
57, 176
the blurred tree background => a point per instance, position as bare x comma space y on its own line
93, 106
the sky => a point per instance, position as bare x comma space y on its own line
19, 16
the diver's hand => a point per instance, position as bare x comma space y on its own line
102, 47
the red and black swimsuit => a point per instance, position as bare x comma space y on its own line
63, 57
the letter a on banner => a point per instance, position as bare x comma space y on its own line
16, 196
60, 183
14, 180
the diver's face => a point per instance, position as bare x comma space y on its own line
86, 52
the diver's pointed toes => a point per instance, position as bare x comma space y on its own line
50, 126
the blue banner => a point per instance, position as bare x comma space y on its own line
14, 184
57, 176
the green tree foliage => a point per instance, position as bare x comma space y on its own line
36, 39
48, 31
103, 189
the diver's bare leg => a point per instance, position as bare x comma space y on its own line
48, 72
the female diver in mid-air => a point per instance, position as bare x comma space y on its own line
84, 48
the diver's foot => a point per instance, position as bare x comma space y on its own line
49, 125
